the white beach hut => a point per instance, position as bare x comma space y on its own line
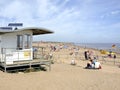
16, 44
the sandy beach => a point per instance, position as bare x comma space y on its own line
64, 76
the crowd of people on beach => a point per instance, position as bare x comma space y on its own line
74, 51
92, 63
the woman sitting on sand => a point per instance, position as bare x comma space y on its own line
97, 65
90, 64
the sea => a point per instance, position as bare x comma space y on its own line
101, 46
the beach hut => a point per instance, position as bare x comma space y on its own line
16, 43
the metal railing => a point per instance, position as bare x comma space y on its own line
11, 57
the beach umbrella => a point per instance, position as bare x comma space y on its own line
104, 52
113, 53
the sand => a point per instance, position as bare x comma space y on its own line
64, 76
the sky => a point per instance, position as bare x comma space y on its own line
79, 21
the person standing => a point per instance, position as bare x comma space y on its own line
86, 55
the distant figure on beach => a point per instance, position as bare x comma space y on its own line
86, 55
94, 59
110, 54
76, 50
50, 55
90, 53
73, 62
114, 56
34, 52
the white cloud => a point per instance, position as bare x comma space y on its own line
16, 10
115, 12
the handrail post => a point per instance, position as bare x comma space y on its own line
5, 61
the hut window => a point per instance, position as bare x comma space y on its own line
19, 42
27, 39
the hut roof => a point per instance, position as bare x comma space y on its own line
36, 31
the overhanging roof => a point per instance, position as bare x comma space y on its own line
36, 31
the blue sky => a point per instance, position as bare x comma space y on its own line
81, 21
